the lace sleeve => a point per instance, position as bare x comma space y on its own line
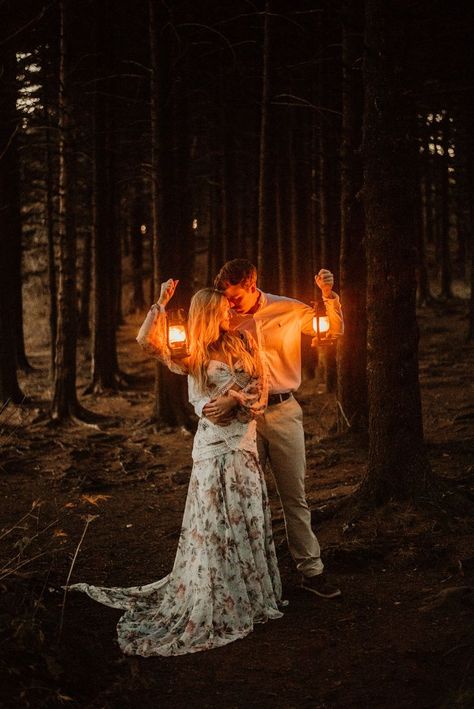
253, 395
152, 339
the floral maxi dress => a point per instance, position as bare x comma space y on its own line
225, 575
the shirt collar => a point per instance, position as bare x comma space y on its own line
263, 299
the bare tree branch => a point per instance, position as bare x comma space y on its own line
300, 102
10, 141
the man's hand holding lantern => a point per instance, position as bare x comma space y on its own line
325, 281
167, 291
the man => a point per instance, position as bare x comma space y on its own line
276, 323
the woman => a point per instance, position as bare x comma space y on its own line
225, 575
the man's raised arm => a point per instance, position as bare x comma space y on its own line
325, 281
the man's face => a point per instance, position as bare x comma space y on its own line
242, 297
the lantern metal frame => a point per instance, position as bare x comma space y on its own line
177, 318
324, 339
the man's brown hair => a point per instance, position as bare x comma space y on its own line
237, 271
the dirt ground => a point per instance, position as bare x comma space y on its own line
400, 636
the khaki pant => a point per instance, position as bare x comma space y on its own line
281, 442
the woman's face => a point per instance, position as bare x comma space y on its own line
224, 322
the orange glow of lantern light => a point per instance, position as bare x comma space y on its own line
323, 323
176, 335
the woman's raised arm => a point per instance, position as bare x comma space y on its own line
153, 340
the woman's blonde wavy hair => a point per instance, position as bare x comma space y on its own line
205, 337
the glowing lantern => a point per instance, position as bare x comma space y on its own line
177, 333
321, 325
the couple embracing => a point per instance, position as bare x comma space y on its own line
243, 367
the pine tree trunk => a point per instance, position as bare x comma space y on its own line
306, 269
158, 227
65, 405
157, 223
10, 229
265, 238
14, 207
136, 247
118, 279
223, 151
398, 467
17, 295
50, 216
314, 211
171, 209
105, 370
213, 249
424, 293
179, 260
293, 233
431, 234
86, 284
352, 348
446, 270
251, 194
470, 189
327, 371
470, 333
322, 167
16, 224
280, 229
322, 189
437, 211
128, 204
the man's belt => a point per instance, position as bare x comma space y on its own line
278, 398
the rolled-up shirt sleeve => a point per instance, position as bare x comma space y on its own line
196, 398
334, 313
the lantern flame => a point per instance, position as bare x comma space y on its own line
176, 335
323, 323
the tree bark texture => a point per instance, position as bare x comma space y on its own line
352, 348
65, 404
280, 231
326, 357
265, 260
446, 269
178, 259
470, 333
136, 248
14, 206
397, 465
171, 203
105, 371
10, 228
470, 190
293, 231
323, 148
50, 217
86, 284
314, 202
424, 293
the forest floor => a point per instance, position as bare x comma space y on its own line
401, 635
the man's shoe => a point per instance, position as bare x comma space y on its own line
319, 586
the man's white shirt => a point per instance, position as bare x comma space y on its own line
276, 326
